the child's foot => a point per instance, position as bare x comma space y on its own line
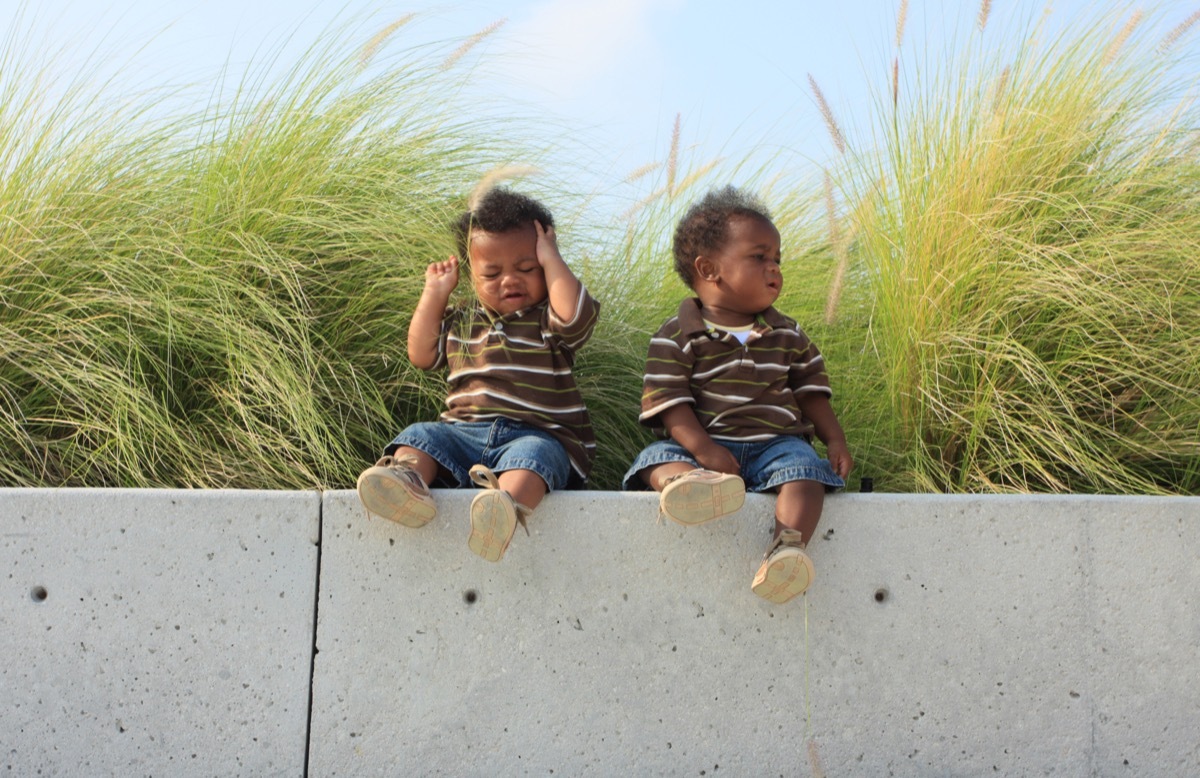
698, 496
494, 516
393, 489
786, 570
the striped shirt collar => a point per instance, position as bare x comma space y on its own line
691, 322
484, 313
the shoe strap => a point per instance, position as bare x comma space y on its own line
674, 478
407, 460
522, 514
790, 538
484, 477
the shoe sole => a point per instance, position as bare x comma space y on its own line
385, 495
493, 522
690, 502
780, 580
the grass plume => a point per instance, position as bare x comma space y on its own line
835, 132
1122, 36
378, 39
1171, 38
471, 43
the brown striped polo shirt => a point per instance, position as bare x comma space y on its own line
739, 392
519, 367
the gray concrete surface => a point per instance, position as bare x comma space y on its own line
159, 633
943, 636
170, 633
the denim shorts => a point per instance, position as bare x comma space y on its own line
765, 464
499, 445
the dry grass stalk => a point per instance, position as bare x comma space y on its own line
641, 204
471, 43
492, 179
1000, 88
673, 155
641, 172
377, 40
814, 760
901, 22
698, 173
1178, 32
985, 10
895, 81
838, 243
831, 124
1114, 48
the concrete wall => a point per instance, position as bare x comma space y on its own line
171, 633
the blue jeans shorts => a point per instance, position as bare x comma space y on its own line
499, 445
765, 464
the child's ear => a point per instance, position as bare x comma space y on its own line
706, 269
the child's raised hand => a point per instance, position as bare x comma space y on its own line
442, 277
547, 244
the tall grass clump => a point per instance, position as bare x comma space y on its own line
219, 297
1027, 220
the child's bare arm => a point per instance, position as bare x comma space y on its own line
816, 408
685, 429
426, 325
562, 287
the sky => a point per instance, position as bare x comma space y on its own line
614, 73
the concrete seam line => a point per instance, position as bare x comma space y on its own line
312, 660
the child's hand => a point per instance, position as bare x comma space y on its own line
547, 244
441, 277
717, 458
839, 457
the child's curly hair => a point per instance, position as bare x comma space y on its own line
499, 210
705, 226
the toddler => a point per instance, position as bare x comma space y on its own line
515, 422
739, 391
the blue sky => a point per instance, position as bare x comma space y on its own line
615, 72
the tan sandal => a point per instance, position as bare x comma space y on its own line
494, 516
786, 570
701, 495
393, 489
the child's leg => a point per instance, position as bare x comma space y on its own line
798, 507
495, 511
524, 486
397, 487
426, 466
529, 464
656, 477
786, 571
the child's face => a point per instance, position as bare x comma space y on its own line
742, 278
505, 269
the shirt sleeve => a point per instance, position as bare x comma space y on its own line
668, 379
448, 323
807, 370
574, 333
